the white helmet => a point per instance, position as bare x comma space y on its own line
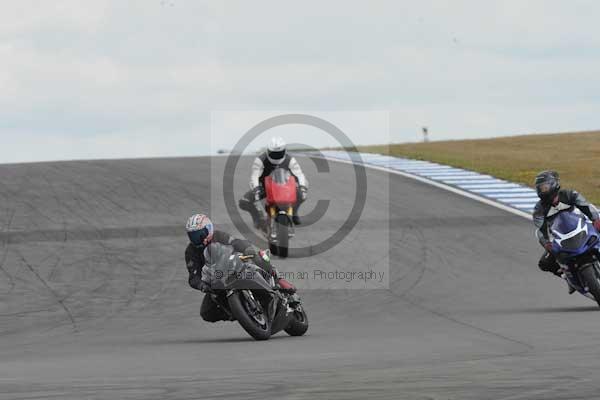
276, 150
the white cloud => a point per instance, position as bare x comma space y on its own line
108, 71
36, 16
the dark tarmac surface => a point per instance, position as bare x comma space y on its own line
94, 301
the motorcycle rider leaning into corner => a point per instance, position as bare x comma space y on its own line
276, 156
201, 233
552, 201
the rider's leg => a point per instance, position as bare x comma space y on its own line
210, 311
248, 203
261, 220
548, 263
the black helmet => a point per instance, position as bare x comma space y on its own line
547, 185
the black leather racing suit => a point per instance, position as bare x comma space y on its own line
195, 259
544, 214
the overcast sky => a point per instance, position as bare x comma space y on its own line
96, 79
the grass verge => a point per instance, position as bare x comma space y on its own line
576, 156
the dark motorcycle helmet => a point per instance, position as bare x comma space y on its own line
200, 230
547, 185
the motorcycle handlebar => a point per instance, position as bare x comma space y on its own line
246, 258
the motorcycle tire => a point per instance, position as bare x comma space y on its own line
283, 238
592, 281
274, 249
241, 314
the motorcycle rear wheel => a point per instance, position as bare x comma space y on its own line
283, 237
592, 281
274, 249
242, 312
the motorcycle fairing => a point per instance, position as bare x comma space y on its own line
572, 235
575, 244
227, 271
280, 188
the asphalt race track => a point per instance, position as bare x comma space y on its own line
94, 301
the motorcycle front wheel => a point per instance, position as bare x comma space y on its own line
248, 311
590, 277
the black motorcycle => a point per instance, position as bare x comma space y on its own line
247, 295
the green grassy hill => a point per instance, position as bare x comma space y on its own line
576, 156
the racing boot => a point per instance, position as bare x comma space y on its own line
571, 288
564, 276
211, 311
295, 217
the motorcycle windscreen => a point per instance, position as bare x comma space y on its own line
280, 176
217, 261
280, 187
567, 223
226, 270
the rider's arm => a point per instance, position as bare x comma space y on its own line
539, 220
576, 199
239, 245
256, 171
194, 262
297, 172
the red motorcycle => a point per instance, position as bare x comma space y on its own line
281, 198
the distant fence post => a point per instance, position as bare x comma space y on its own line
425, 134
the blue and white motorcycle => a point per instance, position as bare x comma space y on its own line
576, 245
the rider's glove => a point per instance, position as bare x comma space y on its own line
597, 224
204, 287
263, 259
205, 279
265, 255
198, 283
548, 247
258, 193
303, 193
